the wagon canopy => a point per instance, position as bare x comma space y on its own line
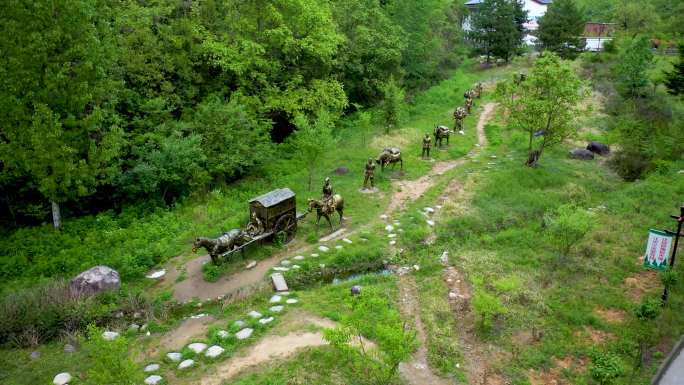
273, 198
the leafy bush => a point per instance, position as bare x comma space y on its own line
567, 226
488, 307
605, 367
110, 363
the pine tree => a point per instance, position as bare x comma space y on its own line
560, 29
674, 80
497, 28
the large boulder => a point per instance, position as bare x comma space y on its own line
95, 280
598, 148
581, 154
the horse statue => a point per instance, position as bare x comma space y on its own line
226, 242
390, 155
442, 132
325, 208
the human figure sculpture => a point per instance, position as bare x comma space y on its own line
369, 174
469, 94
255, 226
478, 90
469, 105
327, 191
427, 144
459, 114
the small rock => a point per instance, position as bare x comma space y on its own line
151, 368
347, 240
356, 290
581, 154
291, 301
197, 347
444, 259
244, 333
278, 268
324, 249
239, 323
341, 170
153, 380
389, 228
298, 258
429, 210
339, 247
392, 242
493, 156
200, 315
251, 265
430, 222
69, 348
476, 144
108, 336
391, 235
264, 321
214, 351
416, 267
438, 207
156, 274
222, 334
296, 267
452, 295
285, 262
364, 240
276, 309
254, 314
62, 379
275, 299
321, 265
383, 216
134, 328
175, 357
186, 364
35, 355
314, 255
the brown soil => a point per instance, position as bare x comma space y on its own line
417, 371
591, 336
640, 284
179, 337
554, 376
612, 316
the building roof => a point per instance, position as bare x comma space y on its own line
592, 29
274, 197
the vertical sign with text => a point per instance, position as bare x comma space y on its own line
658, 250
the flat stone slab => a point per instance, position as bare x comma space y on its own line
62, 379
296, 267
291, 301
244, 333
389, 228
314, 255
156, 274
278, 268
347, 240
151, 368
298, 258
239, 323
339, 247
392, 242
391, 235
175, 357
197, 347
222, 334
430, 223
251, 265
383, 216
275, 299
279, 283
429, 210
276, 309
108, 336
285, 262
265, 321
201, 315
153, 380
186, 364
214, 351
254, 314
324, 249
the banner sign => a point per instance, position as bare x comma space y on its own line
658, 249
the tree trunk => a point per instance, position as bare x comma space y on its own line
56, 215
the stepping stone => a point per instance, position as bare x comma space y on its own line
391, 235
201, 315
383, 216
35, 355
397, 223
222, 334
392, 242
279, 283
254, 314
401, 230
214, 351
151, 368
278, 268
364, 240
346, 240
275, 299
321, 265
108, 336
276, 309
134, 328
197, 347
298, 258
339, 247
251, 265
186, 364
416, 267
285, 293
429, 210
62, 379
431, 223
291, 301
285, 262
265, 321
314, 255
324, 249
438, 207
389, 228
156, 274
296, 267
153, 380
69, 348
239, 323
244, 333
175, 357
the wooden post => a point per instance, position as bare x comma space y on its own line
680, 221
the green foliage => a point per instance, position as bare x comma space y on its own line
488, 307
674, 79
110, 363
567, 226
649, 309
636, 17
497, 28
561, 28
393, 105
312, 141
635, 59
605, 367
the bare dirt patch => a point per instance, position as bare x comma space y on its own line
612, 316
591, 336
179, 337
639, 284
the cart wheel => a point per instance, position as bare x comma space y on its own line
286, 228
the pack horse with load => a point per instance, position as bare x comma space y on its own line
273, 216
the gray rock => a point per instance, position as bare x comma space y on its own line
341, 170
35, 355
254, 314
175, 357
356, 290
153, 380
581, 154
291, 301
298, 258
197, 347
214, 351
186, 364
598, 148
265, 321
324, 249
151, 368
108, 336
69, 348
239, 323
134, 328
275, 299
222, 334
276, 309
444, 259
95, 280
244, 333
156, 274
251, 265
62, 379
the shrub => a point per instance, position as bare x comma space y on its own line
110, 363
629, 165
567, 226
488, 307
605, 367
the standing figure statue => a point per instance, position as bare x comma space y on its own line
459, 115
468, 94
369, 174
427, 144
255, 226
469, 105
478, 90
327, 191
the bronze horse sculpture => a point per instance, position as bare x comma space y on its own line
390, 156
226, 242
326, 208
442, 132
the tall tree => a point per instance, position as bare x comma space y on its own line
497, 28
636, 17
393, 104
561, 27
674, 80
635, 59
311, 141
546, 104
57, 97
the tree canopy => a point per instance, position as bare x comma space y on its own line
560, 29
497, 28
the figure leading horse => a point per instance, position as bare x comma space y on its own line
326, 208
